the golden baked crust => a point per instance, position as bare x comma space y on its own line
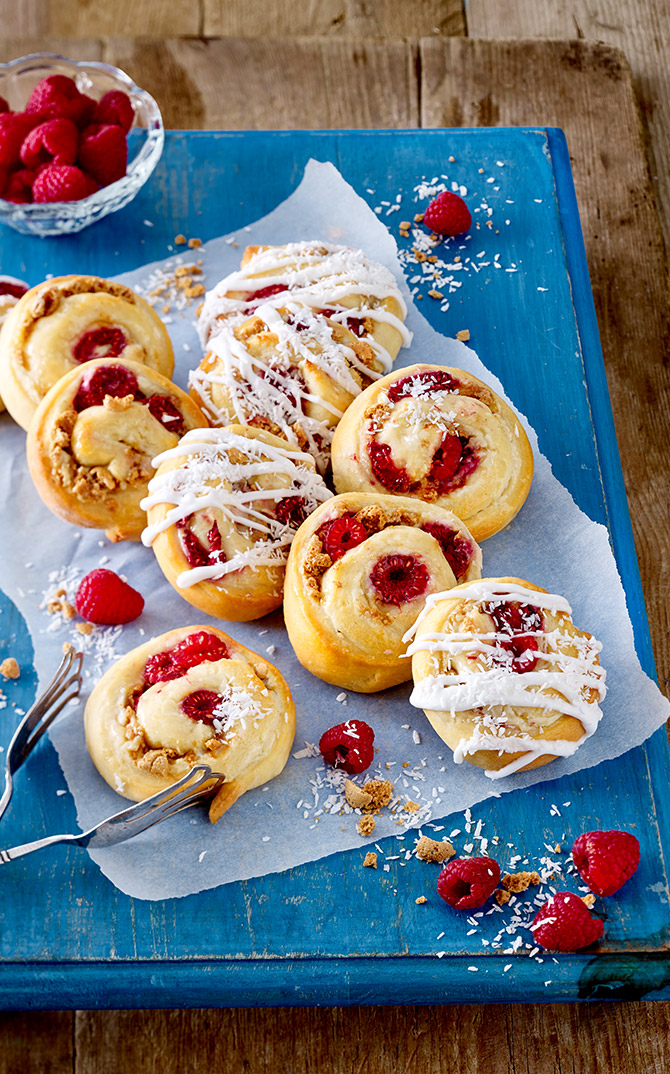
142, 738
222, 511
504, 676
7, 302
287, 369
441, 435
91, 464
45, 330
346, 615
325, 276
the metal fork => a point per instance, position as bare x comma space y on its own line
197, 785
64, 686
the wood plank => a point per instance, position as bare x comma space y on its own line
37, 1044
341, 18
240, 84
86, 18
641, 28
11, 47
586, 89
544, 1039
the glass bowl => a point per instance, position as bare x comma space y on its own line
145, 142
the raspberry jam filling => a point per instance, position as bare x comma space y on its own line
254, 298
113, 380
456, 550
291, 511
354, 324
104, 342
194, 649
341, 534
164, 411
194, 551
201, 705
12, 287
392, 477
399, 578
513, 622
426, 382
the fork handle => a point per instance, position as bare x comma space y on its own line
27, 848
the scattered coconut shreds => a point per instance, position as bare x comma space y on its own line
99, 643
175, 285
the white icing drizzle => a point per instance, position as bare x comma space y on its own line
207, 478
253, 394
573, 677
317, 274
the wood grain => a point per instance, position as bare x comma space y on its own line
82, 49
240, 84
88, 18
586, 89
37, 1043
344, 18
544, 1039
641, 28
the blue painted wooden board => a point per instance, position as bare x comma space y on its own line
331, 932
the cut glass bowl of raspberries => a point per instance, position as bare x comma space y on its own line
77, 141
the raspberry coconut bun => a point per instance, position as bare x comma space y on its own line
11, 291
222, 511
442, 436
338, 281
62, 323
93, 438
504, 676
290, 370
359, 572
191, 696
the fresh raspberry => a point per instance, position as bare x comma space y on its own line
349, 746
105, 598
201, 705
291, 511
426, 382
456, 550
512, 622
60, 182
56, 97
466, 883
606, 860
194, 649
398, 579
10, 286
105, 380
55, 141
104, 342
87, 110
565, 924
14, 128
447, 214
103, 152
19, 188
342, 534
115, 108
392, 477
445, 462
164, 411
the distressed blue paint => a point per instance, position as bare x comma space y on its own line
330, 932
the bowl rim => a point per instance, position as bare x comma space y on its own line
148, 155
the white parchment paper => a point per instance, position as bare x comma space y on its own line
288, 822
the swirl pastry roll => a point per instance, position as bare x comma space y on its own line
7, 303
188, 697
64, 322
289, 370
222, 511
441, 435
338, 281
93, 437
359, 572
504, 676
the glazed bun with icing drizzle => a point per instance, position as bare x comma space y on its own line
339, 282
222, 511
62, 323
359, 571
441, 435
504, 676
93, 438
290, 370
191, 696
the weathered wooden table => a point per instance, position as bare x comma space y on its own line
586, 89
